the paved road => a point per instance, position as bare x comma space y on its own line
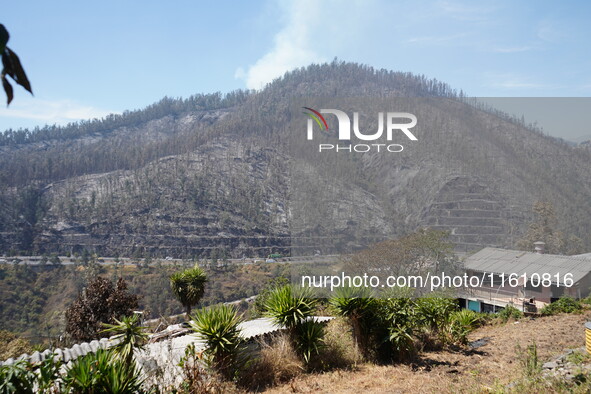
65, 260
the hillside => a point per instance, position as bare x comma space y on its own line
495, 366
234, 175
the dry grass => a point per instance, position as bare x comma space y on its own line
340, 350
488, 368
276, 363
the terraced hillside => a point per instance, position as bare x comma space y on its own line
235, 175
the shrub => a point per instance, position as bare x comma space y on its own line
462, 323
510, 312
100, 302
293, 308
278, 362
565, 304
17, 378
102, 372
395, 326
339, 349
433, 318
196, 378
218, 326
358, 305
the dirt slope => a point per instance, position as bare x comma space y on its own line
491, 366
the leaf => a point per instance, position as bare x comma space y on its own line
4, 36
7, 89
16, 70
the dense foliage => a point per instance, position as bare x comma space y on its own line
188, 286
100, 302
293, 308
218, 327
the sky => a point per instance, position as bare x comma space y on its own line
88, 59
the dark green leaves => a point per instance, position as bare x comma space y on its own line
8, 89
4, 36
12, 67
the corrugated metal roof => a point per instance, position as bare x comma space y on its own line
519, 262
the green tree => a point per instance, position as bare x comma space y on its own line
188, 287
419, 252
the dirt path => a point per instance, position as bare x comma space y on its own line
490, 366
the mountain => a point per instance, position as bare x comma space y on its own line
218, 175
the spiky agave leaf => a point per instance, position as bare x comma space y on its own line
289, 306
218, 327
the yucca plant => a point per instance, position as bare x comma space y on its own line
218, 327
288, 306
358, 305
130, 336
102, 372
293, 308
188, 287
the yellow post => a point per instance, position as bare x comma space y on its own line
588, 337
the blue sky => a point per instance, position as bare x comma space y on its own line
87, 59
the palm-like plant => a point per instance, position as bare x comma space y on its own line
289, 306
218, 326
188, 287
130, 336
356, 304
293, 308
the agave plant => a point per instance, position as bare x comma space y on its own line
102, 372
218, 327
130, 336
188, 287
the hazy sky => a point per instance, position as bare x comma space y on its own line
87, 59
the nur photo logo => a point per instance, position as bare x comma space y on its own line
393, 125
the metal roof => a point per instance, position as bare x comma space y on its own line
520, 262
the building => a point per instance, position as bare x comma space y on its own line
525, 280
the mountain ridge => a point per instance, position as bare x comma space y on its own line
234, 178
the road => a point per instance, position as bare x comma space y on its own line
65, 260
